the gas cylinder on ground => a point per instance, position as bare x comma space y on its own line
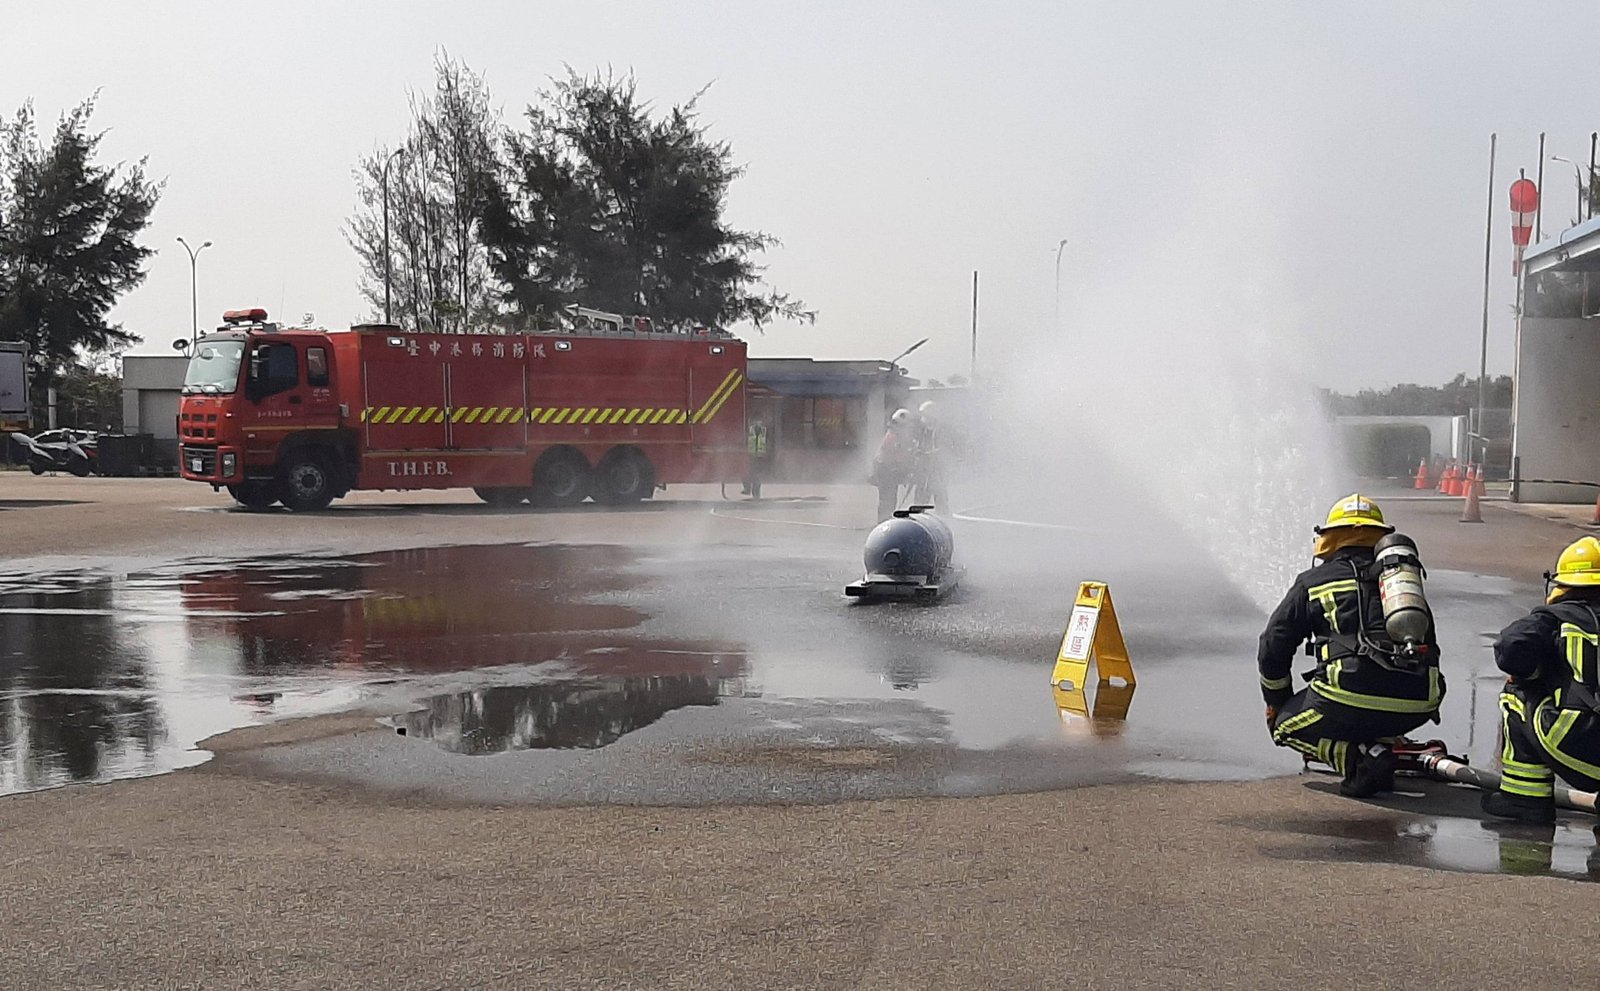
1406, 616
912, 543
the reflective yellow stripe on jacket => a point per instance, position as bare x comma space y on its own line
1331, 691
1326, 595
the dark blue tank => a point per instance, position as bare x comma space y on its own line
911, 544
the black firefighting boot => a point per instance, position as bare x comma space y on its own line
1533, 811
1371, 770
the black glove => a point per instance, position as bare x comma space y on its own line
1276, 698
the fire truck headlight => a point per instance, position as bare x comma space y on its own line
230, 461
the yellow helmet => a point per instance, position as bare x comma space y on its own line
1579, 565
1355, 510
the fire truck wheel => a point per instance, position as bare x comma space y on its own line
305, 483
561, 478
624, 475
253, 495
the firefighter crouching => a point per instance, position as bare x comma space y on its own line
1365, 690
1550, 708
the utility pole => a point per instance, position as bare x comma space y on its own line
1062, 246
974, 376
194, 293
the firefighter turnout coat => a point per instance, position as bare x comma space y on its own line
1336, 607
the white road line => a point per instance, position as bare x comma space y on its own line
759, 519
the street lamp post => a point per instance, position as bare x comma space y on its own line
1577, 179
894, 362
386, 277
1060, 247
194, 293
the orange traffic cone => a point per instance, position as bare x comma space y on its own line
1447, 482
1477, 481
1471, 512
1421, 481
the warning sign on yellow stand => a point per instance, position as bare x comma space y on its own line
1092, 638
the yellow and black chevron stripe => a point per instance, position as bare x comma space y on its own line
558, 415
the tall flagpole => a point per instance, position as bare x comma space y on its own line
1483, 353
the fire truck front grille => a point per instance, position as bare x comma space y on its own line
200, 460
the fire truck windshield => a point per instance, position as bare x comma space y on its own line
214, 368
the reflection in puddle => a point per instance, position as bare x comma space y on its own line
1567, 849
105, 677
1564, 850
1105, 715
563, 715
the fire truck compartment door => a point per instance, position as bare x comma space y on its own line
488, 404
716, 402
405, 407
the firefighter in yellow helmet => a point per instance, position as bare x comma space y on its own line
1550, 708
1363, 692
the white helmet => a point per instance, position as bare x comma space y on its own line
900, 417
927, 410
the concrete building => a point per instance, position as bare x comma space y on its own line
151, 388
1556, 404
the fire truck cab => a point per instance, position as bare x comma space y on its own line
611, 411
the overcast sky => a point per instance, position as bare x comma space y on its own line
1333, 156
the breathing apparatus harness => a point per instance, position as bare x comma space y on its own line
1410, 657
1578, 695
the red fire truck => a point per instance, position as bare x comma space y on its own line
613, 411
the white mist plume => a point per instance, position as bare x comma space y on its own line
1182, 367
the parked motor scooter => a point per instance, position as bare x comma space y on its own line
68, 450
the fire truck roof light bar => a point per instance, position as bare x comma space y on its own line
254, 314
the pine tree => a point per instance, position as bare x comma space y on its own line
608, 204
68, 248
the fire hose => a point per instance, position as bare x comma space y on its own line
1448, 768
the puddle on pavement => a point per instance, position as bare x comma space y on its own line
114, 676
105, 677
1570, 849
35, 503
569, 714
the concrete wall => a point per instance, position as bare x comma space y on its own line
1558, 408
151, 385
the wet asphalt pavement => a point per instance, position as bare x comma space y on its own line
714, 661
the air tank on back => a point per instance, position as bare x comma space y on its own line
1406, 616
908, 556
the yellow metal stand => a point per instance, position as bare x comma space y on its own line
1092, 637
